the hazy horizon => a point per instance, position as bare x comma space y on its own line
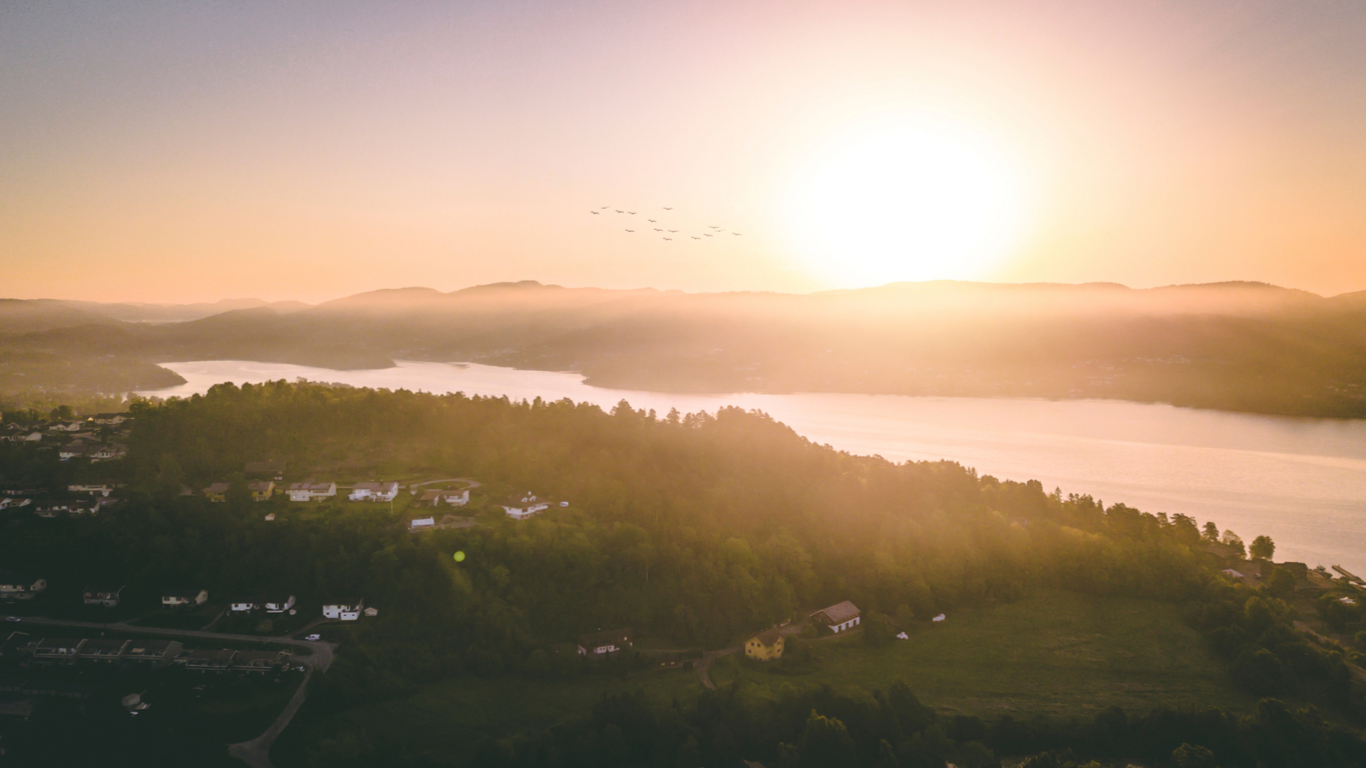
172, 153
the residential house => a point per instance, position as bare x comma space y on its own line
108, 452
63, 649
13, 502
34, 437
16, 586
209, 661
106, 595
344, 610
603, 643
311, 491
279, 603
109, 419
217, 492
259, 661
422, 523
456, 498
430, 498
261, 490
73, 450
522, 506
103, 649
765, 646
838, 617
371, 612
244, 604
102, 489
152, 652
51, 509
374, 491
178, 598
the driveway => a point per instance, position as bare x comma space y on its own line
703, 665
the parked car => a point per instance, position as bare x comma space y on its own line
314, 636
13, 618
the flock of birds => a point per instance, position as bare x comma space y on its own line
665, 233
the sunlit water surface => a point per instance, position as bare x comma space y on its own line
1301, 481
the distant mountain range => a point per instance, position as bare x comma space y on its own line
1238, 346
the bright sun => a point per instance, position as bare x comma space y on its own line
907, 201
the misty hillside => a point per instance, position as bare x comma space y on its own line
1240, 346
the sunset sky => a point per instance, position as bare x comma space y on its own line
184, 151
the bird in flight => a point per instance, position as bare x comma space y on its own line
652, 221
712, 226
630, 230
737, 234
672, 231
605, 207
595, 213
695, 237
668, 209
706, 234
618, 211
657, 229
668, 238
632, 212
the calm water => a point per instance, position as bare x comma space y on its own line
1301, 481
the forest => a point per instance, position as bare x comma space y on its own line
696, 529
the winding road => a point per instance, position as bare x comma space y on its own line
255, 753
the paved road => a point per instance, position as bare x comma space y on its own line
255, 753
322, 650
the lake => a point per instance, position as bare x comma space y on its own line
1300, 481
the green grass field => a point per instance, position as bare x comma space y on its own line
1053, 653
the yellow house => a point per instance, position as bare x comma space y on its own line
261, 491
765, 646
217, 492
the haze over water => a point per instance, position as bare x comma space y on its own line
1300, 481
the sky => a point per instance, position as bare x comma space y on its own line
193, 151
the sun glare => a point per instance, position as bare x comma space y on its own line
907, 201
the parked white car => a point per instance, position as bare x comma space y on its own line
314, 636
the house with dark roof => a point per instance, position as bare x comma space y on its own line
259, 661
279, 603
838, 617
765, 646
311, 491
344, 610
599, 644
373, 492
523, 505
209, 661
261, 490
217, 492
152, 652
106, 595
184, 598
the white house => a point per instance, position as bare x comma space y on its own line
108, 452
604, 643
522, 506
36, 437
73, 451
103, 489
422, 523
244, 604
348, 610
184, 597
456, 498
374, 492
311, 491
838, 617
279, 603
10, 501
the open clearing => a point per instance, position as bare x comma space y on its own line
1053, 653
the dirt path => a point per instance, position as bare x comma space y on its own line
703, 665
